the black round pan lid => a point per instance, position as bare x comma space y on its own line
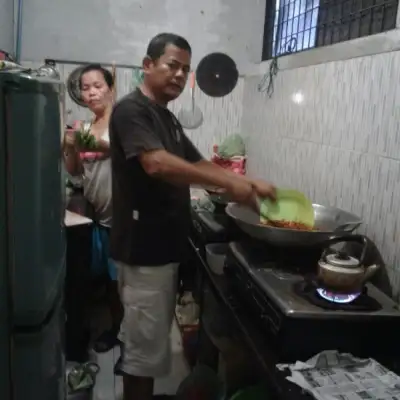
217, 75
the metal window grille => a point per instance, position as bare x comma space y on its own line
297, 25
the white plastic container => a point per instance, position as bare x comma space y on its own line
216, 255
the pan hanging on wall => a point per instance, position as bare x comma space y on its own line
73, 86
217, 74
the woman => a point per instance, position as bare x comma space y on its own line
96, 85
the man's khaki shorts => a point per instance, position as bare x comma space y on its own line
148, 295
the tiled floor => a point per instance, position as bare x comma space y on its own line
109, 387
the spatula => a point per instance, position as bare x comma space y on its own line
261, 211
290, 205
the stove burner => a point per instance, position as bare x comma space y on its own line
339, 298
309, 290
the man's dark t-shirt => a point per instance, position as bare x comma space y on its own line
151, 217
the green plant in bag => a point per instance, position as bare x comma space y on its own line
85, 140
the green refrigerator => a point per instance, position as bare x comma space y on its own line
32, 242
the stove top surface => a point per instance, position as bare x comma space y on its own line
282, 275
215, 226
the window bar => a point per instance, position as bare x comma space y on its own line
342, 29
383, 16
359, 18
290, 50
311, 13
350, 22
297, 27
300, 45
374, 7
285, 16
287, 27
279, 19
333, 23
320, 32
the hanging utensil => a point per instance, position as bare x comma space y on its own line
217, 75
74, 89
191, 118
73, 86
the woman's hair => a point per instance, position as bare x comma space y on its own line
97, 67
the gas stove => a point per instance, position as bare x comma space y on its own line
298, 317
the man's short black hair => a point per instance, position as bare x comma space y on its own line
157, 45
97, 67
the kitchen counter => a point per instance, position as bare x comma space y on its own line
252, 337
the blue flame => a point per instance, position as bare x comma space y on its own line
337, 297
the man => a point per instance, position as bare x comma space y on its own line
153, 164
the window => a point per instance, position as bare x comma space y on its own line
296, 25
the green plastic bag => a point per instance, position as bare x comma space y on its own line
232, 146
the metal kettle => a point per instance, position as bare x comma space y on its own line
48, 70
340, 271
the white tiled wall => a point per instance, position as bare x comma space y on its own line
340, 145
221, 116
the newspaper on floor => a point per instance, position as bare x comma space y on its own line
333, 376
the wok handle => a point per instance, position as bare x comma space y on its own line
349, 227
349, 238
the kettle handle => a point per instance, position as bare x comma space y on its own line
349, 238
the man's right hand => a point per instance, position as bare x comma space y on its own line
240, 191
69, 138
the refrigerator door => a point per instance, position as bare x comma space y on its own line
4, 294
38, 369
31, 130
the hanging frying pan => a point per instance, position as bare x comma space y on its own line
217, 75
73, 86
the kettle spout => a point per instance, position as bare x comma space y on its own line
369, 271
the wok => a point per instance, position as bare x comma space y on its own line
329, 222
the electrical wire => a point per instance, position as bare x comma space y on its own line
267, 82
